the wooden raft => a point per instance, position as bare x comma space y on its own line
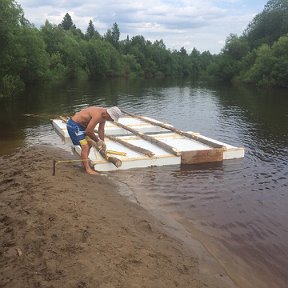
215, 154
167, 146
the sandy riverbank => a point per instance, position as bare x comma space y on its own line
75, 230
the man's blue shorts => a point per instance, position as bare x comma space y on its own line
76, 133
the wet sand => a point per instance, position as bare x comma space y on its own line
76, 230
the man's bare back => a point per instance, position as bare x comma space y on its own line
84, 116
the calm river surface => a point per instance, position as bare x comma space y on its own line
238, 208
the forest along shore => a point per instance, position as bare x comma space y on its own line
76, 230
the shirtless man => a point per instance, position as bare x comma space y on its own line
82, 125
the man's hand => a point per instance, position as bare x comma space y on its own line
101, 145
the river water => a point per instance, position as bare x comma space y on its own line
237, 209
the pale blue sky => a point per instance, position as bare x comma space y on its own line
204, 24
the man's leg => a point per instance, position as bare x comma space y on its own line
85, 149
77, 135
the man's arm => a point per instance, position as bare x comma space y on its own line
101, 130
90, 129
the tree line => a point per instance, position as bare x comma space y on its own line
30, 55
260, 55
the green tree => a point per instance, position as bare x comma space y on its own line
162, 59
184, 62
67, 22
195, 63
260, 71
131, 67
53, 36
267, 66
34, 58
236, 47
223, 68
276, 4
269, 25
102, 59
206, 59
11, 21
11, 18
138, 49
183, 52
72, 55
113, 35
124, 45
91, 32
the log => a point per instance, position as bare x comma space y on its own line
150, 139
117, 162
178, 131
131, 146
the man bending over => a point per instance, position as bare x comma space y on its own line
81, 127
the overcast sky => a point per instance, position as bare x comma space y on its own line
203, 24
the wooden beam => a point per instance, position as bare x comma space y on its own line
131, 146
178, 131
202, 156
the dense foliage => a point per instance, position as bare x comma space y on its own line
260, 55
29, 55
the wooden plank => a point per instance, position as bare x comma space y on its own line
202, 156
178, 131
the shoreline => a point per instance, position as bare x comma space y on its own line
76, 230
